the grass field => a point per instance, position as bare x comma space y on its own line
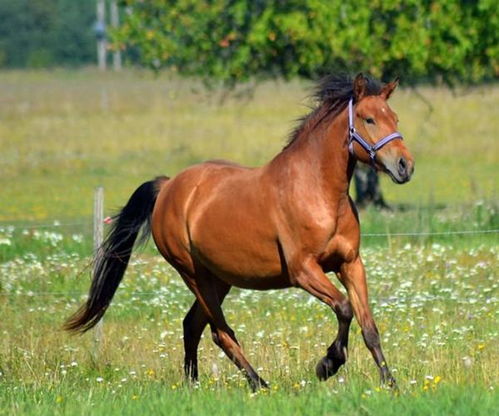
435, 298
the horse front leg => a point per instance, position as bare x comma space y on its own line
310, 277
353, 277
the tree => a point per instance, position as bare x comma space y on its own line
42, 33
234, 40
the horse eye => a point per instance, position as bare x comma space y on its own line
369, 120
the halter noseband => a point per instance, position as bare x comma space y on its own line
353, 134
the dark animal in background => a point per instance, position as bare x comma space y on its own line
367, 188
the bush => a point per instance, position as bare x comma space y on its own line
39, 58
41, 33
234, 40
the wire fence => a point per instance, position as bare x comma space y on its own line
108, 220
54, 224
30, 294
431, 233
97, 226
143, 294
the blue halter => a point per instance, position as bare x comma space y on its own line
354, 135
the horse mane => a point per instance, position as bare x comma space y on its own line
331, 95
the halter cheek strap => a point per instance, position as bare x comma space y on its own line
353, 135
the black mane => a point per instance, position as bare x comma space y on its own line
331, 96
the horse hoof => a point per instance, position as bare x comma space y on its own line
327, 367
260, 384
390, 383
263, 384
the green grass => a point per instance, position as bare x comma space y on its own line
158, 399
436, 308
434, 297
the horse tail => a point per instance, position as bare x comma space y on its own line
111, 259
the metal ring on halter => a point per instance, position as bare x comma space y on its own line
354, 135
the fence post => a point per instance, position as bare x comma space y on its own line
98, 238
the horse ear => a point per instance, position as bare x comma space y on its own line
387, 90
359, 86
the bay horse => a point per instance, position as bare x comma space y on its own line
285, 224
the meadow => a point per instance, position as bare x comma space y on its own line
433, 290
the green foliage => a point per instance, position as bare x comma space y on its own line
234, 40
43, 33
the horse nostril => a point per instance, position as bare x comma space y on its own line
402, 166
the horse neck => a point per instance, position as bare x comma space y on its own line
319, 155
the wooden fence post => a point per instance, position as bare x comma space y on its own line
98, 238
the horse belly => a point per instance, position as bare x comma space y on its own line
242, 262
239, 248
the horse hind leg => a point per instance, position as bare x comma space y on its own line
194, 324
223, 336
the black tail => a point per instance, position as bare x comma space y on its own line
111, 260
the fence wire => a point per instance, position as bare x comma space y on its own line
430, 233
388, 234
139, 294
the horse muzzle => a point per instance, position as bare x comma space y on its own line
400, 168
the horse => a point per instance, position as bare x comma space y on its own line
284, 224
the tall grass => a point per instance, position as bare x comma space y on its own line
436, 309
63, 133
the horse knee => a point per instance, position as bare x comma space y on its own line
216, 338
345, 311
231, 335
223, 337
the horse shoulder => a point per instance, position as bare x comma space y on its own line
344, 243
